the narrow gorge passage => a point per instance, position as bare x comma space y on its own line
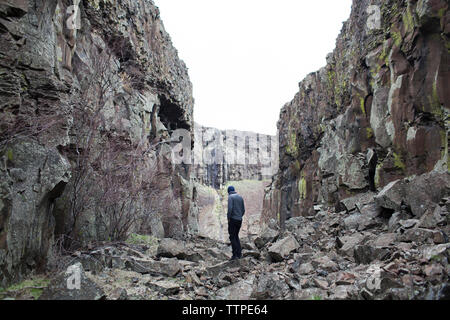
110, 190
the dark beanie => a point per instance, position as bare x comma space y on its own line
230, 189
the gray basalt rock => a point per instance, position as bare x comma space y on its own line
349, 243
43, 176
52, 71
241, 290
166, 267
267, 236
164, 287
270, 286
358, 202
417, 235
281, 249
419, 193
325, 263
370, 116
172, 248
366, 254
392, 196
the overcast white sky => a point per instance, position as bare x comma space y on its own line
246, 57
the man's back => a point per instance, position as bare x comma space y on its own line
236, 206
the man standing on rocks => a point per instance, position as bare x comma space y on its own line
236, 210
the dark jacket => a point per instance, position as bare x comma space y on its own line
236, 207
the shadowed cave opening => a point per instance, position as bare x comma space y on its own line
171, 115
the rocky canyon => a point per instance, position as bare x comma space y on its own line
349, 201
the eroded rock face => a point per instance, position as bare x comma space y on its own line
377, 112
102, 93
231, 155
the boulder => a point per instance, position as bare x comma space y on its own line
359, 222
215, 270
440, 251
433, 218
172, 248
392, 195
384, 240
325, 263
281, 249
166, 266
424, 192
241, 290
358, 201
365, 254
164, 287
268, 235
348, 243
305, 268
420, 193
270, 286
418, 235
321, 283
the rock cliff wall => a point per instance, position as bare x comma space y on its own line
377, 112
84, 116
231, 155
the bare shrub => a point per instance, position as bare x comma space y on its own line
24, 126
112, 176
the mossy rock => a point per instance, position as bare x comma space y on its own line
398, 162
30, 289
